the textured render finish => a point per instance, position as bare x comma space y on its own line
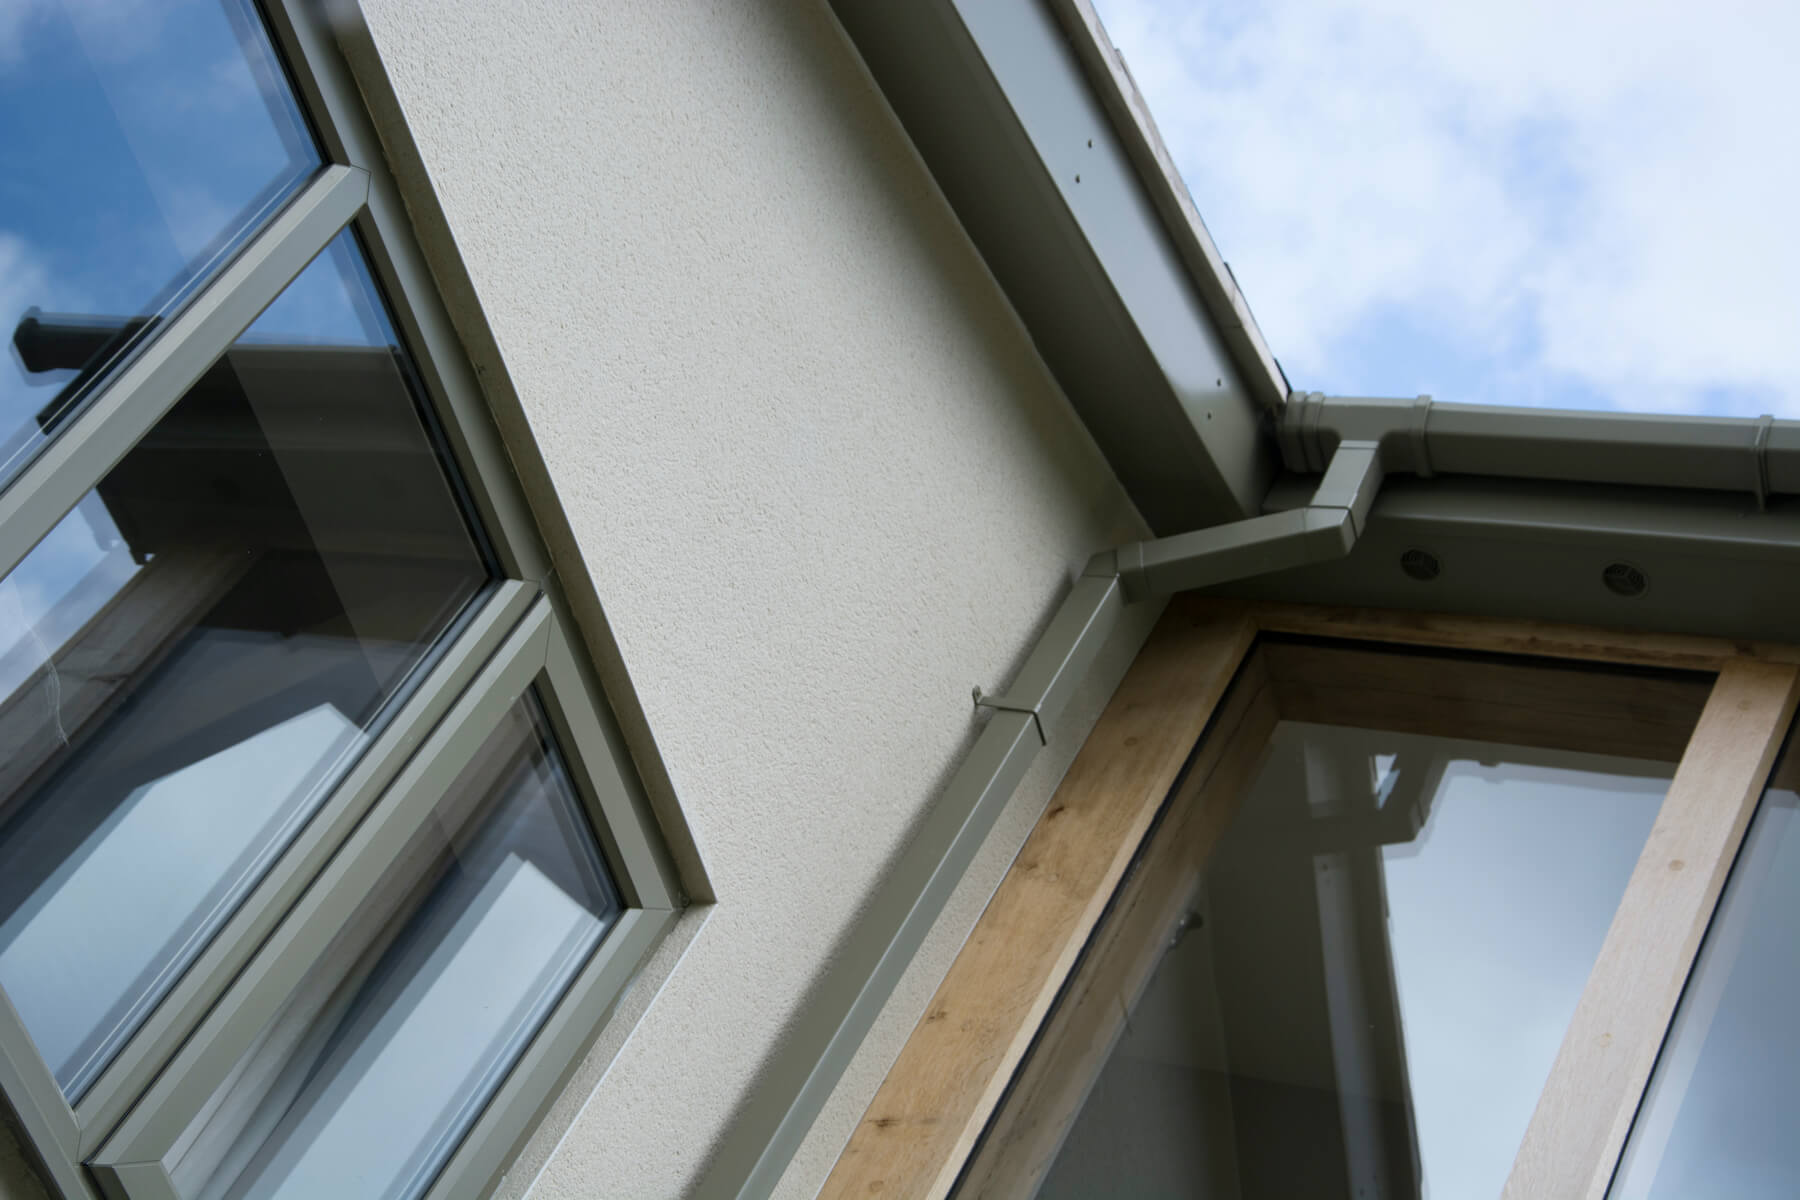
832, 1130
818, 475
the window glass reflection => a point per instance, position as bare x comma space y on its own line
1717, 1119
192, 657
141, 142
372, 1073
1387, 945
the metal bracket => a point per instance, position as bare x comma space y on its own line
1759, 451
1002, 704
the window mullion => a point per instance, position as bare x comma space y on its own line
1584, 1112
554, 1054
498, 614
311, 44
289, 954
150, 385
535, 655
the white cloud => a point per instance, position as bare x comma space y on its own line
110, 29
16, 17
1548, 197
23, 278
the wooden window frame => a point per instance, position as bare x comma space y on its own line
1074, 929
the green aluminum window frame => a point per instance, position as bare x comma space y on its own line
517, 629
134, 1163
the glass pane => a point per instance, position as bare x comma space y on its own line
1386, 947
371, 1074
1718, 1118
141, 143
195, 654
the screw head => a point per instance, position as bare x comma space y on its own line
1623, 579
1421, 565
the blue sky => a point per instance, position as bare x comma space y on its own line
137, 136
1526, 202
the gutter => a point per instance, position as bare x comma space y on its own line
1759, 455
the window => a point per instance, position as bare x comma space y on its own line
1716, 1117
1384, 940
1340, 902
1384, 947
430, 991
303, 772
114, 200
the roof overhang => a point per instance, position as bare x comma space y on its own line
1030, 124
1713, 562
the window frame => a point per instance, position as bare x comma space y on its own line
133, 1162
353, 190
1119, 889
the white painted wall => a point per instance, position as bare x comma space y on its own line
816, 471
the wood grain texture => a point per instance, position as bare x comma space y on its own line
1507, 636
1025, 1135
1637, 714
1586, 1108
932, 1106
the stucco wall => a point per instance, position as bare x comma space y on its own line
817, 475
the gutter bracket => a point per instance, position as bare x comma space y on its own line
1421, 445
1313, 412
1759, 466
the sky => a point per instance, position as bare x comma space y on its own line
115, 193
1503, 201
1496, 913
137, 139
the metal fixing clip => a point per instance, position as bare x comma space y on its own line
1002, 704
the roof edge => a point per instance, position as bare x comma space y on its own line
1118, 93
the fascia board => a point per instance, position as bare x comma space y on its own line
1536, 550
1117, 91
1025, 149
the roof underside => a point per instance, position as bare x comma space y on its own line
1033, 132
1031, 125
